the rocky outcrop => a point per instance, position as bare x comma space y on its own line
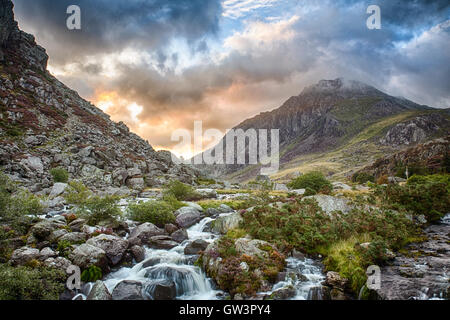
227, 222
114, 247
39, 111
330, 204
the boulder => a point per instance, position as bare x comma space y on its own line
223, 208
73, 237
212, 212
58, 263
99, 292
46, 253
299, 192
43, 229
180, 235
57, 189
57, 234
193, 205
162, 290
86, 255
341, 186
187, 216
136, 183
24, 255
138, 253
284, 293
280, 187
195, 247
330, 203
333, 279
170, 228
251, 247
77, 225
162, 242
114, 247
207, 193
225, 223
141, 234
127, 290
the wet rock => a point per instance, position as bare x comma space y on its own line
319, 293
162, 290
127, 290
114, 247
180, 235
138, 253
223, 208
195, 247
150, 262
170, 228
141, 234
187, 217
99, 292
24, 255
162, 242
283, 293
212, 212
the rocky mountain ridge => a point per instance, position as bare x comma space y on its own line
44, 124
331, 113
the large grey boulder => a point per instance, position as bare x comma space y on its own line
58, 263
128, 290
180, 235
330, 203
207, 193
99, 292
225, 223
43, 229
187, 216
138, 253
33, 164
141, 234
280, 187
136, 183
87, 255
73, 237
57, 189
162, 242
114, 247
162, 290
24, 255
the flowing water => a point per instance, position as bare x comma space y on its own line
191, 282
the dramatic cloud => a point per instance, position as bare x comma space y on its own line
161, 65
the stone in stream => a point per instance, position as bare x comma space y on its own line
180, 235
138, 253
187, 217
99, 292
170, 228
128, 290
195, 247
150, 262
162, 242
319, 293
283, 293
162, 290
141, 234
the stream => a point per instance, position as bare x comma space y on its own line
192, 283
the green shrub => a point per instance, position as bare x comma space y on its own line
430, 198
17, 207
59, 175
313, 180
181, 191
309, 192
92, 274
24, 283
77, 193
96, 209
363, 177
157, 212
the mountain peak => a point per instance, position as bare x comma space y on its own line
339, 85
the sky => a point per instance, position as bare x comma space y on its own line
160, 65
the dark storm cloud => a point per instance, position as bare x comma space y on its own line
110, 25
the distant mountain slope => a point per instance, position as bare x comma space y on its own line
44, 124
337, 113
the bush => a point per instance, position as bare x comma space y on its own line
59, 175
96, 209
157, 212
91, 274
16, 207
181, 191
313, 180
77, 193
430, 198
383, 180
25, 283
363, 177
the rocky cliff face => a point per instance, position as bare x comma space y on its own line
330, 113
44, 124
